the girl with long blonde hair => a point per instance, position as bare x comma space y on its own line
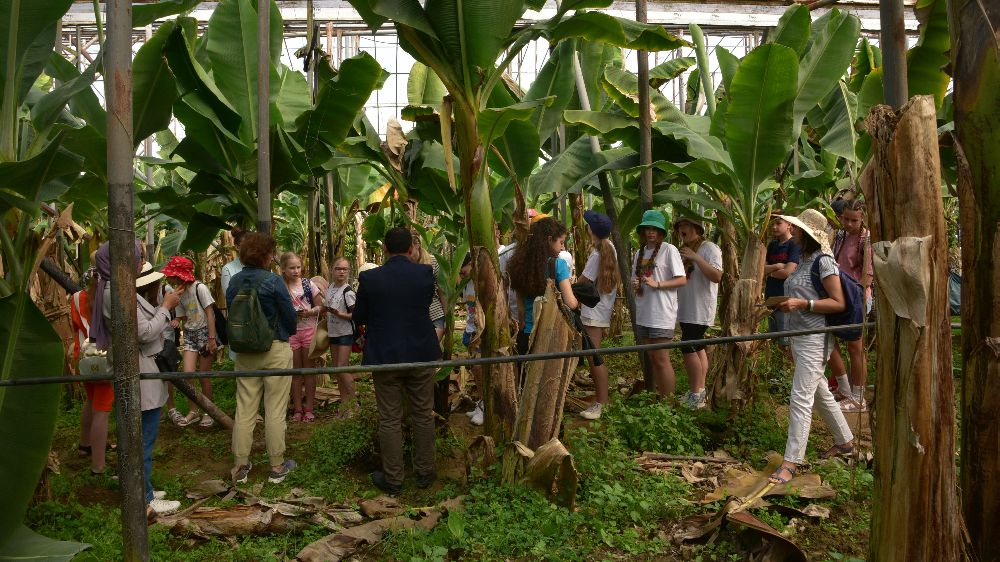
602, 270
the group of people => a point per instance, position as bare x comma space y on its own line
401, 309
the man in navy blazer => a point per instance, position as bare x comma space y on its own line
393, 304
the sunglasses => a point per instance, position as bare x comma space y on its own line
341, 269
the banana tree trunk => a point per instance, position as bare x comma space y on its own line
976, 70
580, 235
499, 380
916, 513
730, 369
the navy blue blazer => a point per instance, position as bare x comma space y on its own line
394, 305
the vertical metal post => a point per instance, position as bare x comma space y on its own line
118, 93
264, 116
893, 43
645, 135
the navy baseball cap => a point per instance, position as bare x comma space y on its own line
599, 223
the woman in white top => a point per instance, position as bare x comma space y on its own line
805, 311
602, 270
658, 272
339, 301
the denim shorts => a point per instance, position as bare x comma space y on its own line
647, 333
439, 324
342, 340
195, 339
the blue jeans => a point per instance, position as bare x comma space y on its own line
150, 428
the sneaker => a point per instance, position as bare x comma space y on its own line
698, 400
206, 421
477, 415
478, 408
176, 417
851, 406
378, 479
165, 507
241, 473
159, 494
593, 412
425, 481
278, 476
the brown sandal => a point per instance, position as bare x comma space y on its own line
838, 451
776, 478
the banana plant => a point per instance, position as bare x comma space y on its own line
215, 98
49, 140
461, 43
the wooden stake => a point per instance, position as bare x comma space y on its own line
264, 116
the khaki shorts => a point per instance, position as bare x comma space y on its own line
646, 333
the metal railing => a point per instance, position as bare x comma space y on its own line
472, 361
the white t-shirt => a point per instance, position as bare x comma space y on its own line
339, 298
592, 270
698, 299
657, 308
505, 254
469, 298
568, 258
191, 309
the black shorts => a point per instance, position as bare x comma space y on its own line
692, 332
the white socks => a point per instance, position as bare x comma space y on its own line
843, 385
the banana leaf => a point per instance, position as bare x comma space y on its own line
835, 36
620, 32
30, 348
794, 29
555, 80
759, 116
231, 42
25, 544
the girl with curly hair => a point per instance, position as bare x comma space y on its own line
531, 265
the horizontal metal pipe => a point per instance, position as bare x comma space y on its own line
443, 364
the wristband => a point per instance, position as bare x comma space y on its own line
811, 304
211, 338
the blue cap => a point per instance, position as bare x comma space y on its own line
600, 224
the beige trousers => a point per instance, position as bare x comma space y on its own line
249, 392
418, 388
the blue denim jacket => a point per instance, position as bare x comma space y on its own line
273, 296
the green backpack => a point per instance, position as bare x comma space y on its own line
248, 329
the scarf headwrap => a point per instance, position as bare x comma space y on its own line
99, 331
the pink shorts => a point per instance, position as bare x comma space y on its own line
302, 338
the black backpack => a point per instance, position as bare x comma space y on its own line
248, 328
854, 297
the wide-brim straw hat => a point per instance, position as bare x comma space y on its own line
147, 276
813, 223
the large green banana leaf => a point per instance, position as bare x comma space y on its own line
562, 171
423, 87
25, 544
290, 96
493, 123
620, 32
195, 88
924, 62
153, 88
30, 348
338, 102
84, 104
555, 80
668, 70
232, 49
840, 114
472, 32
145, 14
759, 116
28, 34
48, 109
793, 29
26, 183
826, 61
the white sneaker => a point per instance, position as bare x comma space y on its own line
165, 507
852, 406
593, 412
686, 399
698, 400
478, 408
477, 415
159, 494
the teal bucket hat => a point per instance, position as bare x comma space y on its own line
655, 219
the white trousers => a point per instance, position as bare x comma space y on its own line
809, 387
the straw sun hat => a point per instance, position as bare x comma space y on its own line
812, 223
